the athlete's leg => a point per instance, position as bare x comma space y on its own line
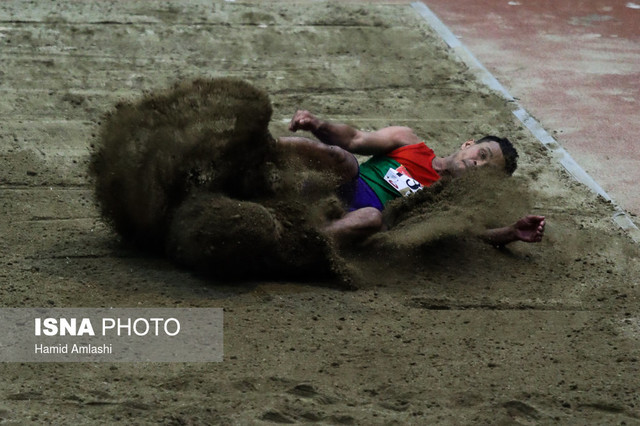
355, 225
322, 157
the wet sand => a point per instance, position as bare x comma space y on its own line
449, 330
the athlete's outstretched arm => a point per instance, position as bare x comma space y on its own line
351, 139
529, 229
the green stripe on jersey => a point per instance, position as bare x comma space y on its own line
373, 172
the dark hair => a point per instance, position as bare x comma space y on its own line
508, 152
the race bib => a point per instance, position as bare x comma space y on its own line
402, 181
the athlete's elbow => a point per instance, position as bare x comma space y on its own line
357, 143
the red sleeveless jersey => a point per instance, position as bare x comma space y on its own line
412, 160
417, 159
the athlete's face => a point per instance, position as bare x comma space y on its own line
473, 155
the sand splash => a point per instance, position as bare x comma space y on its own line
193, 172
465, 206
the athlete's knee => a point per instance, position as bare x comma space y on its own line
345, 162
337, 154
370, 218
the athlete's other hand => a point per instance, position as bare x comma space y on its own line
529, 229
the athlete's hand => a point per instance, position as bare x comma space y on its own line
529, 229
303, 120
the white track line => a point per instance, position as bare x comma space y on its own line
620, 216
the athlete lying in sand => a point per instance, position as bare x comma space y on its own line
401, 164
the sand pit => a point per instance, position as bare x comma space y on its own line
443, 328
